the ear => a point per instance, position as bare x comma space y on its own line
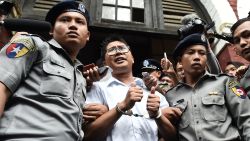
179, 60
133, 61
88, 36
51, 31
159, 73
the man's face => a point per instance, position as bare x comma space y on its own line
241, 39
71, 31
167, 80
180, 71
230, 70
155, 73
119, 57
194, 60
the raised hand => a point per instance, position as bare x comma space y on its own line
153, 103
134, 94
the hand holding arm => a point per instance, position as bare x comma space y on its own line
94, 110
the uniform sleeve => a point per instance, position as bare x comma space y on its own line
238, 104
16, 59
95, 95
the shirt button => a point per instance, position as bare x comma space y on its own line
200, 138
197, 122
194, 105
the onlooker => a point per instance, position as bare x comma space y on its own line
214, 107
153, 71
134, 112
5, 9
179, 71
42, 89
241, 40
153, 67
165, 78
232, 67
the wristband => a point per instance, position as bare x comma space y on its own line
118, 109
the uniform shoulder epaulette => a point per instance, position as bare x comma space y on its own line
35, 35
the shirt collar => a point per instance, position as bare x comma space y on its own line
205, 75
113, 80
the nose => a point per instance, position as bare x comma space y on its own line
243, 42
72, 24
196, 55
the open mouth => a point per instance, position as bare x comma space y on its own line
119, 60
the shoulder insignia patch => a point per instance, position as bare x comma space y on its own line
237, 89
19, 48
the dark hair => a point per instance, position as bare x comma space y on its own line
238, 23
235, 63
6, 7
109, 39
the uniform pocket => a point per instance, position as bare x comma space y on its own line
213, 108
56, 79
182, 104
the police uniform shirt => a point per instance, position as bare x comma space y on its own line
245, 81
47, 92
211, 109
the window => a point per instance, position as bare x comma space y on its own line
123, 10
174, 10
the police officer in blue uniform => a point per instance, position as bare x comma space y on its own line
214, 107
42, 89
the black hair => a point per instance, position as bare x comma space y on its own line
109, 39
235, 63
238, 23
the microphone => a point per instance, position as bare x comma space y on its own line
188, 18
28, 25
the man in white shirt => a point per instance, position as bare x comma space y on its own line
134, 112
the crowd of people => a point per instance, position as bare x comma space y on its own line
46, 93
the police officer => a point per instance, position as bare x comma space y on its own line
214, 107
241, 40
153, 67
153, 71
41, 87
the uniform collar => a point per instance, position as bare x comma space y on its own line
205, 76
56, 45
